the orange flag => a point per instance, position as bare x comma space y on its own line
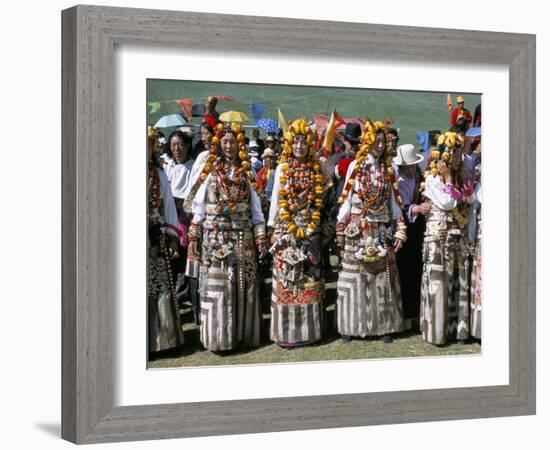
449, 102
186, 105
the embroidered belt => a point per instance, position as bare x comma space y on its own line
239, 208
373, 218
227, 223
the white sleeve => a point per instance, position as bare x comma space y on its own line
196, 171
345, 208
167, 167
256, 207
170, 213
434, 191
198, 207
274, 208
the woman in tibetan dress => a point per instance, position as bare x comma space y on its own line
370, 229
229, 229
476, 279
299, 223
162, 237
444, 307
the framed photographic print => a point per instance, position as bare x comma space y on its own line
125, 69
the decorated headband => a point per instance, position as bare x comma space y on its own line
447, 142
296, 128
220, 131
368, 138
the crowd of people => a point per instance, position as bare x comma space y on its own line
403, 224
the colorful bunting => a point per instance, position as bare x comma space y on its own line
186, 105
155, 107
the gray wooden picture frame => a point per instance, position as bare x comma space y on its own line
90, 34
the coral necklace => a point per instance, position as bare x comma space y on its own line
154, 188
233, 189
301, 188
374, 186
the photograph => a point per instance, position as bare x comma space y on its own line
291, 223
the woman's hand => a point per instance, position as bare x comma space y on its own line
423, 208
397, 245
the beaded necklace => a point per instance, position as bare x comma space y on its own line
374, 193
233, 189
301, 188
373, 186
153, 190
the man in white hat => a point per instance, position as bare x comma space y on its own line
409, 259
253, 149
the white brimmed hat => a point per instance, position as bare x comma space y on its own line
407, 156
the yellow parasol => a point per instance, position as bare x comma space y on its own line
234, 116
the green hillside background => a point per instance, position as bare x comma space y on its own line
412, 111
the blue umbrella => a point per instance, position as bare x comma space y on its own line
474, 132
270, 125
171, 120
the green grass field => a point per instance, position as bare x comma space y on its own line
405, 345
412, 111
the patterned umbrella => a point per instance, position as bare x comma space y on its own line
171, 120
234, 116
269, 125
